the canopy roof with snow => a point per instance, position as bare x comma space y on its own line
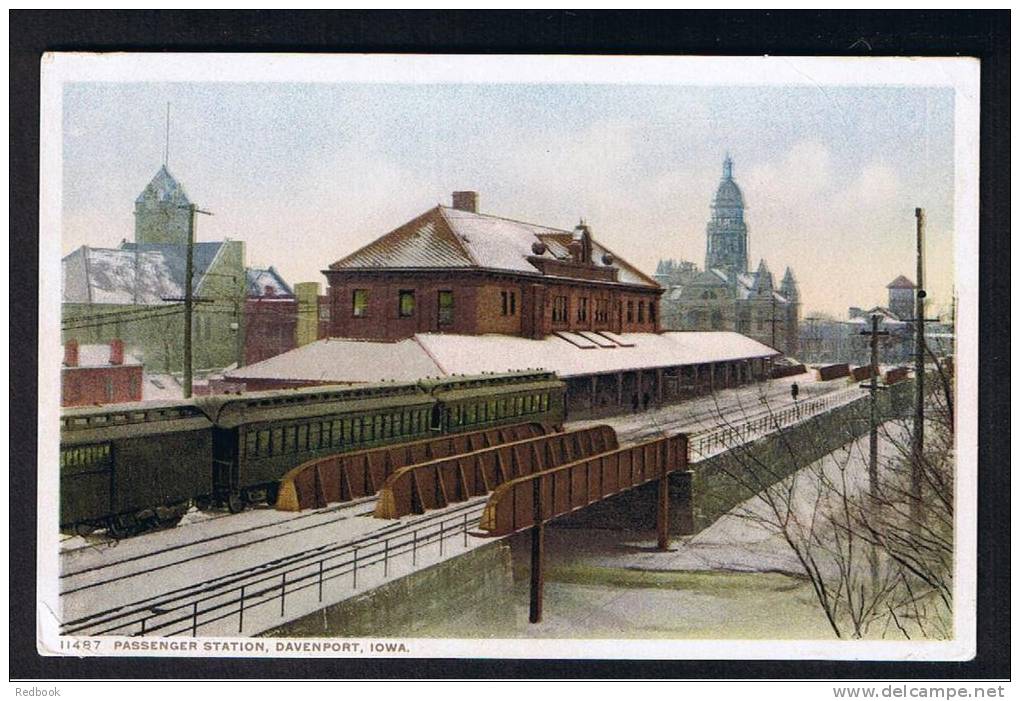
568, 354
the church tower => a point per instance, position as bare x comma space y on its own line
727, 232
161, 211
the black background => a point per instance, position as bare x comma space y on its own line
984, 34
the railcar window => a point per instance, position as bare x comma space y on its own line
472, 413
356, 429
337, 432
302, 438
378, 433
84, 455
263, 443
545, 402
251, 443
518, 406
315, 435
277, 447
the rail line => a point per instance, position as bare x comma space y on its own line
188, 609
251, 529
381, 544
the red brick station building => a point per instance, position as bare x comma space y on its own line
457, 292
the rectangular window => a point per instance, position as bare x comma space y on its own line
302, 437
251, 443
641, 312
651, 312
601, 310
405, 303
359, 306
504, 302
513, 303
109, 389
582, 309
337, 432
630, 312
289, 439
277, 446
445, 307
560, 309
263, 446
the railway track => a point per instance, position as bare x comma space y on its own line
389, 540
346, 510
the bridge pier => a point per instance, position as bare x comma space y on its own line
537, 555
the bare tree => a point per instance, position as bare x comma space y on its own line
879, 562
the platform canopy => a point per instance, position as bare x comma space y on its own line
438, 355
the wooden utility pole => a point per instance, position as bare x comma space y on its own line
917, 444
873, 421
189, 299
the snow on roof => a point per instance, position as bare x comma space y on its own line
452, 238
260, 279
747, 284
132, 274
164, 188
429, 355
344, 360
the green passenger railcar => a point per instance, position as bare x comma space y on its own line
473, 403
135, 465
257, 437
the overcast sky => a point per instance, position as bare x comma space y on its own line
306, 173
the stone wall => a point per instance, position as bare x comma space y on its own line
476, 584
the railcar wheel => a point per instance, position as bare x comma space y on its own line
84, 529
235, 504
117, 528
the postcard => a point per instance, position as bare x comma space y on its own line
415, 356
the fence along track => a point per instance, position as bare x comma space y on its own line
436, 484
726, 437
560, 490
349, 476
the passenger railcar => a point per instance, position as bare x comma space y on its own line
135, 465
257, 437
125, 467
471, 403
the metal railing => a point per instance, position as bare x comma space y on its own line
723, 438
187, 613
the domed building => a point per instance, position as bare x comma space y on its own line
726, 295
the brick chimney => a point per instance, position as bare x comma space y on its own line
116, 352
466, 201
71, 353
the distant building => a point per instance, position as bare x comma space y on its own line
313, 313
136, 292
99, 374
831, 340
726, 296
455, 291
271, 315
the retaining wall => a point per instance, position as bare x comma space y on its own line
475, 584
